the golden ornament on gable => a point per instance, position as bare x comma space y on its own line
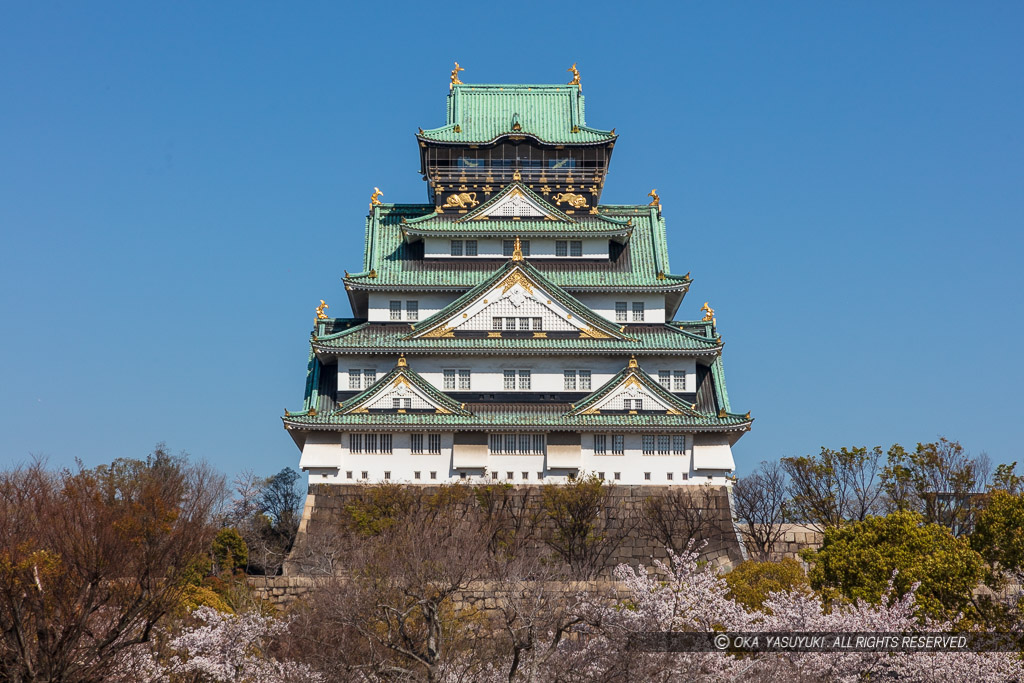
463, 200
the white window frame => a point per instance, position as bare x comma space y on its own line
679, 380
638, 311
621, 311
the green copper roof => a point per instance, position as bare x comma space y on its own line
492, 227
390, 263
480, 114
526, 269
394, 338
551, 416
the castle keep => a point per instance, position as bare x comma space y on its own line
514, 328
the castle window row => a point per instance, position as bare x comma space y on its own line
523, 377
463, 247
370, 443
361, 379
622, 311
517, 444
412, 310
517, 323
574, 379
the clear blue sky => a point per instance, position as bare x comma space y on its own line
181, 183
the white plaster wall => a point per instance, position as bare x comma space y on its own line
540, 247
604, 305
332, 447
487, 372
379, 307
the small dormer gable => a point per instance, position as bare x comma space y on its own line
402, 391
516, 301
632, 391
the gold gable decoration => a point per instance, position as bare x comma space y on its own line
517, 278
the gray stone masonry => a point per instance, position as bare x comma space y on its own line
325, 510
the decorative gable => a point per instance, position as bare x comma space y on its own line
517, 298
515, 204
402, 391
633, 391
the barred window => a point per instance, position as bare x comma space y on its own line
584, 380
517, 444
456, 247
510, 323
576, 248
665, 378
524, 380
638, 311
510, 379
355, 377
464, 379
524, 323
669, 475
525, 246
369, 377
387, 474
396, 310
648, 444
470, 247
560, 248
679, 380
620, 311
412, 310
664, 444
647, 476
570, 380
366, 475
617, 476
633, 403
401, 403
434, 444
600, 441
538, 323
618, 444
496, 323
449, 379
369, 443
678, 444
416, 443
416, 475
433, 475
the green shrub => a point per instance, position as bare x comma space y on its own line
752, 581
